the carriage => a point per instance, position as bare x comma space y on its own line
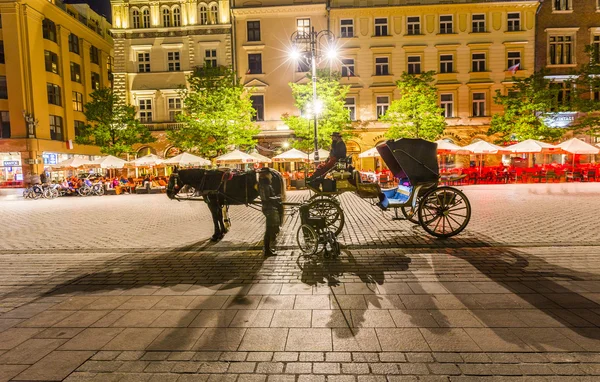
441, 211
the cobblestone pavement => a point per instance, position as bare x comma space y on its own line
127, 288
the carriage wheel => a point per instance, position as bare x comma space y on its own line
333, 198
412, 214
444, 212
308, 240
331, 211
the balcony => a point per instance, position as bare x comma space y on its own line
163, 126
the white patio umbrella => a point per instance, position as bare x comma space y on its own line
292, 155
577, 146
532, 146
109, 162
73, 163
369, 153
236, 157
149, 160
482, 147
323, 154
449, 148
261, 158
187, 159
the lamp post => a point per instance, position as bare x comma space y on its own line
310, 45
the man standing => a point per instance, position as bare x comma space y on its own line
270, 208
337, 152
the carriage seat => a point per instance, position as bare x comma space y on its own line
365, 189
396, 197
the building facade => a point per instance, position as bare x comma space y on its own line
564, 28
52, 56
470, 44
157, 45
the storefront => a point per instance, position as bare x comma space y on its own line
51, 159
11, 170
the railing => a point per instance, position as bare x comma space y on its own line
163, 126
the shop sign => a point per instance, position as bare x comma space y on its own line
560, 120
50, 158
11, 163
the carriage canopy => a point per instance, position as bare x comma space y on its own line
415, 159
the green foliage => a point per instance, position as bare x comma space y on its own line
417, 113
217, 114
525, 108
586, 84
334, 117
111, 124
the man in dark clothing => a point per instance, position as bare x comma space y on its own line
270, 208
337, 152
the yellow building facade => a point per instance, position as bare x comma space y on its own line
53, 56
471, 45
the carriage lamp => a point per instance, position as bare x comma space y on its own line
311, 46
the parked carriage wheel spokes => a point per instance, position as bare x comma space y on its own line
412, 214
331, 211
308, 240
444, 212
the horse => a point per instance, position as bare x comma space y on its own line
220, 189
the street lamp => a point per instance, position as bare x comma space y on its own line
312, 45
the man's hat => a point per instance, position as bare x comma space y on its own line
336, 134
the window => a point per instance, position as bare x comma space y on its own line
254, 63
174, 105
2, 52
75, 72
514, 58
347, 67
350, 105
561, 50
514, 21
79, 128
146, 18
381, 26
253, 28
446, 24
478, 62
95, 81
166, 17
303, 27
413, 25
143, 62
0, 21
214, 14
346, 28
173, 61
258, 104
414, 64
563, 5
478, 104
563, 94
446, 63
54, 94
596, 49
203, 15
94, 55
176, 17
145, 105
478, 23
73, 43
5, 124
447, 105
49, 30
135, 18
51, 59
56, 128
382, 66
210, 58
3, 88
77, 101
382, 105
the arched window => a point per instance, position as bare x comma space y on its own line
214, 13
135, 18
146, 18
166, 15
171, 152
203, 14
176, 16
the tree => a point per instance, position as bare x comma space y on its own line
586, 95
217, 114
417, 113
111, 124
526, 108
333, 116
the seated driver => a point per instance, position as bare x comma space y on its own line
337, 152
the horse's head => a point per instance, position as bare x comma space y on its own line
174, 185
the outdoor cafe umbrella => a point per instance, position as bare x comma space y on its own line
261, 158
369, 153
236, 157
109, 162
323, 154
532, 146
187, 159
149, 160
577, 146
482, 148
292, 155
445, 147
73, 163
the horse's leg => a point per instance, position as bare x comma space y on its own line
214, 211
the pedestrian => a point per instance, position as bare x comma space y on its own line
43, 177
271, 203
337, 152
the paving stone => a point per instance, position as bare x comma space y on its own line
7, 372
309, 340
285, 356
326, 368
213, 318
451, 339
270, 367
252, 319
228, 339
91, 339
30, 351
277, 302
176, 339
264, 339
133, 339
355, 340
15, 336
401, 340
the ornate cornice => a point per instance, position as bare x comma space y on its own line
149, 33
402, 9
278, 10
